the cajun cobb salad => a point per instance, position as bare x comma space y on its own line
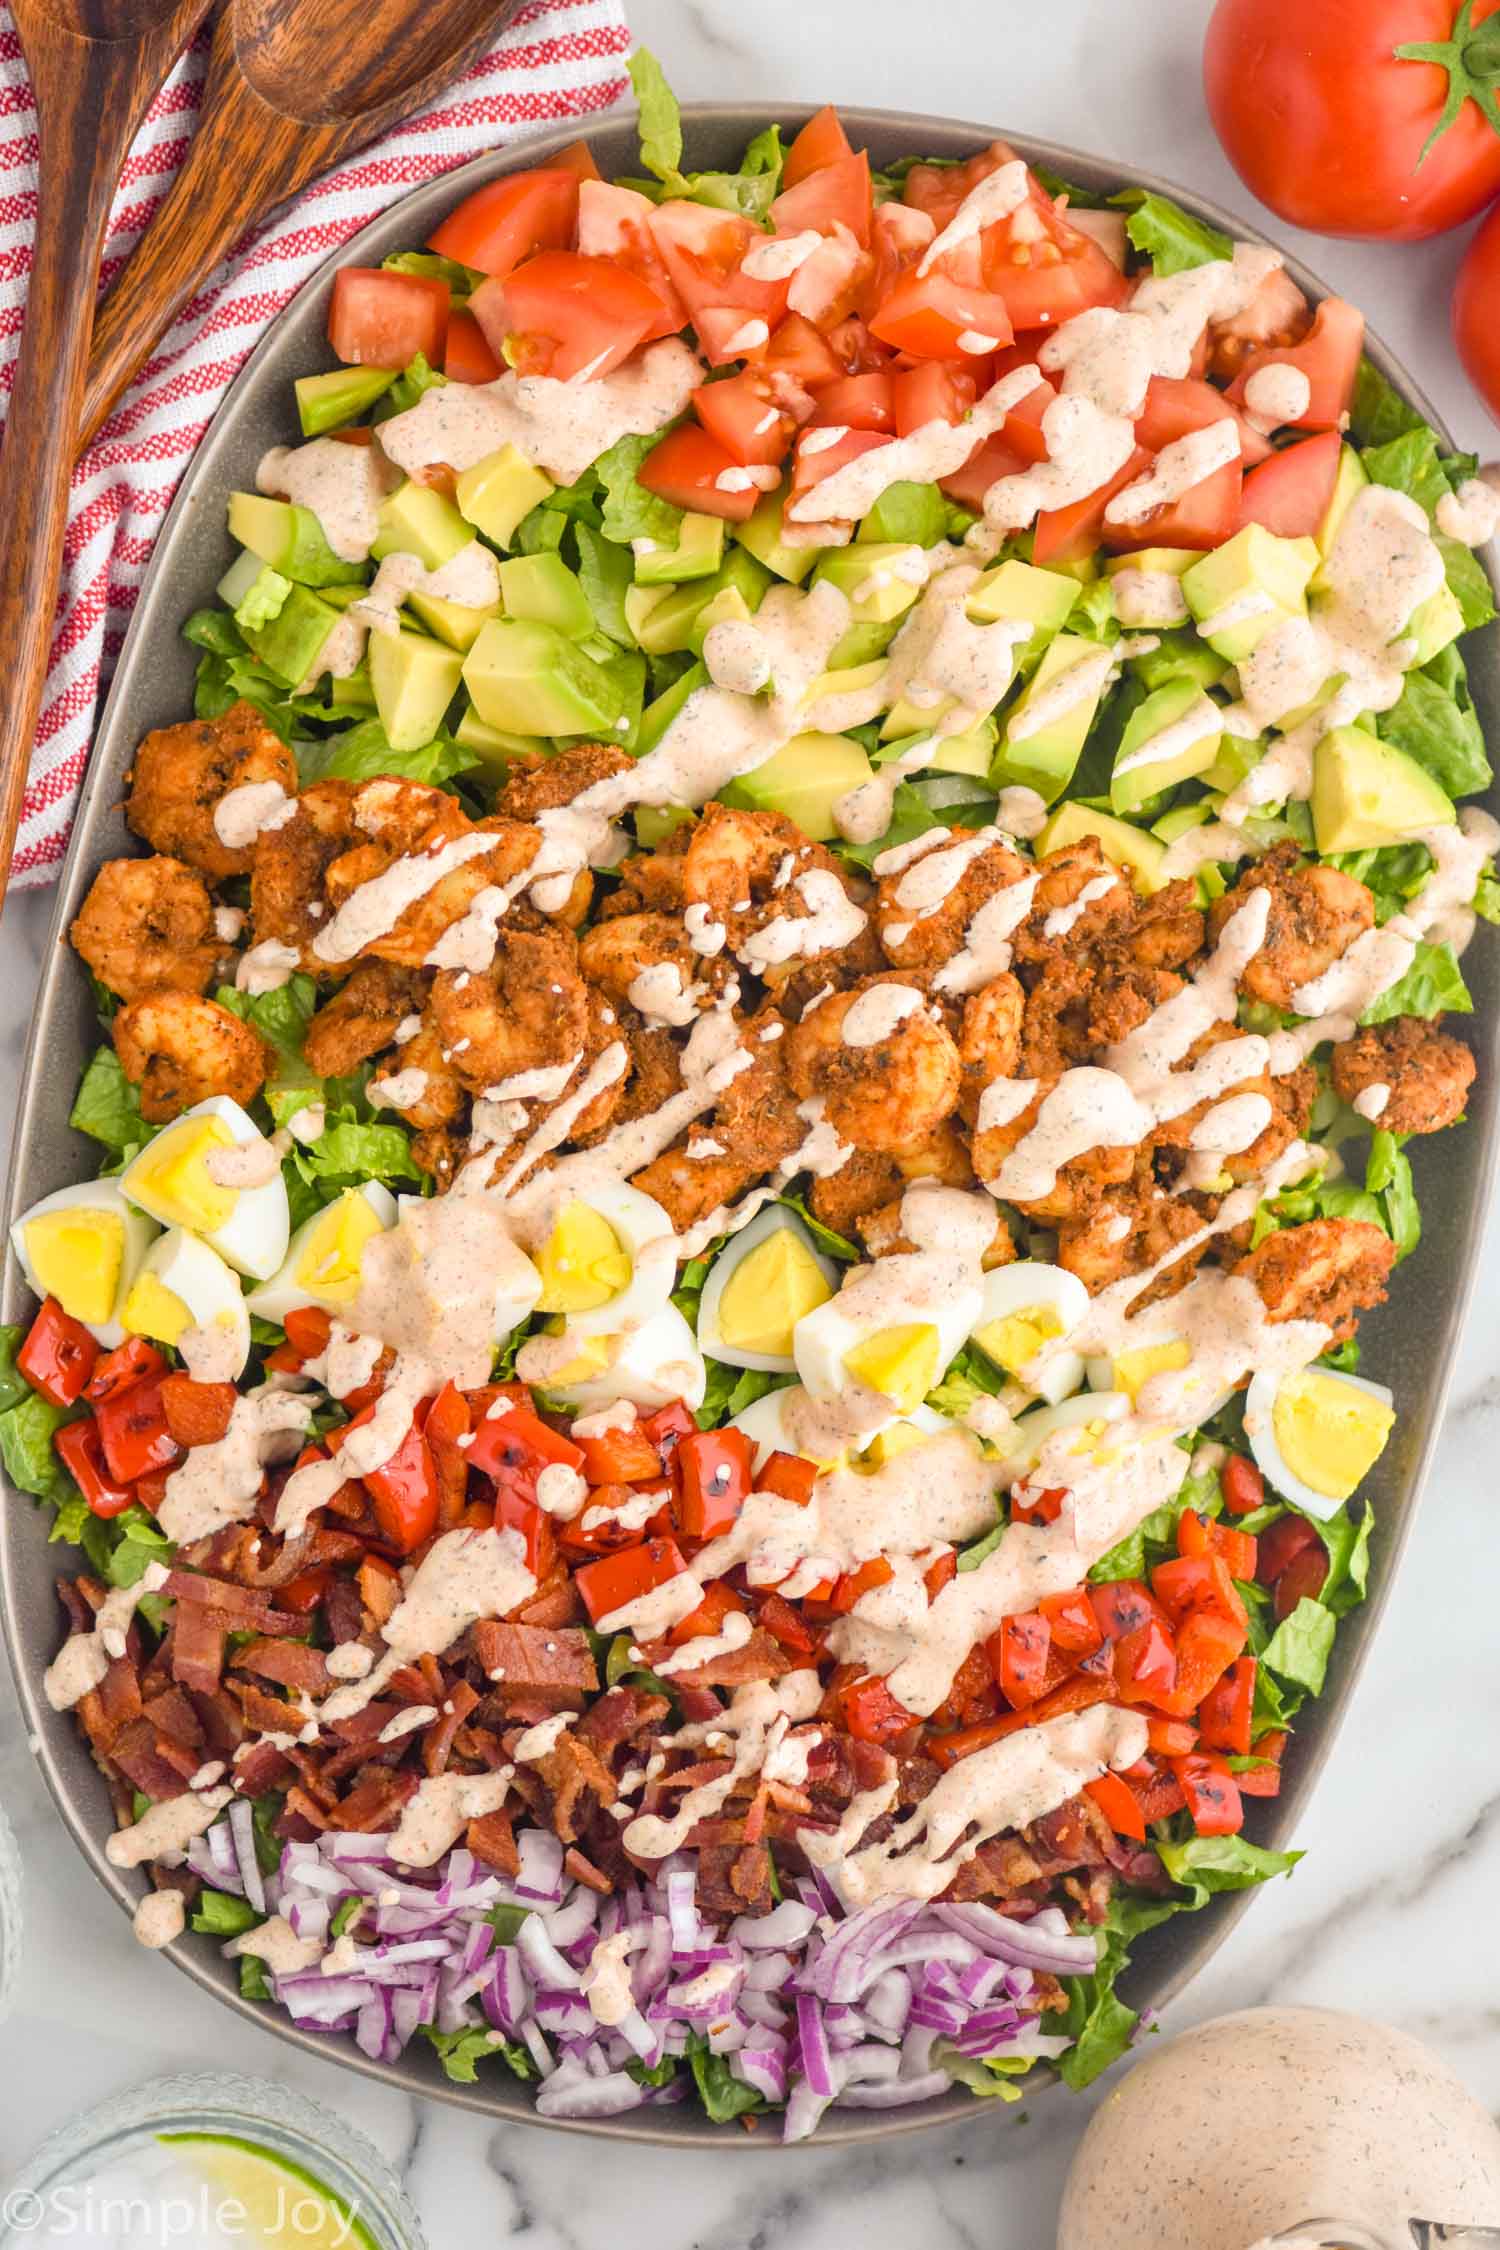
760, 1062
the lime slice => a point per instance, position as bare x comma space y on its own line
282, 2203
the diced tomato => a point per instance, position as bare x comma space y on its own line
1072, 1622
931, 316
994, 459
1225, 1714
1243, 1486
871, 1713
719, 1601
1146, 1664
1282, 1541
857, 402
380, 319
835, 194
788, 1476
516, 1510
693, 471
1235, 1549
939, 189
782, 1622
133, 1431
933, 392
797, 349
727, 332
821, 141
615, 223
1328, 355
1170, 1738
467, 357
703, 251
1022, 428
714, 1471
616, 1580
577, 158
1122, 1606
58, 1355
308, 1329
1290, 493
1209, 1791
1018, 1657
1204, 516
519, 1441
565, 315
810, 465
619, 1456
743, 414
898, 238
78, 1448
1207, 1644
197, 1413
1176, 405
859, 352
509, 220
1045, 270
130, 1362
1119, 1804
1264, 1780
1302, 1580
1071, 534
940, 1573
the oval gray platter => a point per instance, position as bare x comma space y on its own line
153, 687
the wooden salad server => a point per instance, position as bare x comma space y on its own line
95, 65
293, 87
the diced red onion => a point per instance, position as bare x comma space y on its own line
541, 1857
609, 2096
764, 2069
817, 2063
242, 1832
1025, 1945
682, 1911
788, 1924
542, 1958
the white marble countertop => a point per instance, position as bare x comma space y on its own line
1392, 1911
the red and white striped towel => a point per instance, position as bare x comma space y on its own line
557, 59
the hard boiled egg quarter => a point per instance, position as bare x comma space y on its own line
184, 1285
1089, 1415
766, 1278
650, 1365
1317, 1433
173, 1179
888, 1330
1026, 1307
322, 1263
84, 1246
608, 1261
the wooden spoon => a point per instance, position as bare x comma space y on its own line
293, 86
95, 65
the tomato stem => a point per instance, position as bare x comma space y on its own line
1473, 67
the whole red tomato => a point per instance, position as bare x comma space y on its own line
1364, 117
1476, 312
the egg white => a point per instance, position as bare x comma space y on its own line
1030, 1285
650, 1365
254, 1235
208, 1287
284, 1292
1260, 1431
1023, 1449
871, 1301
774, 1219
645, 1234
92, 1195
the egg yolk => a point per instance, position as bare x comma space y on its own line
901, 1437
768, 1292
594, 1356
1330, 1435
1012, 1343
152, 1309
171, 1180
77, 1257
901, 1363
1133, 1369
329, 1262
583, 1263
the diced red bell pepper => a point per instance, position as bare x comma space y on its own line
940, 1573
848, 1588
1018, 1657
714, 1481
782, 1622
1196, 1582
666, 1429
1264, 1780
619, 1457
1040, 1507
308, 1328
719, 1601
78, 1448
1119, 1804
1122, 1606
1227, 1711
1170, 1738
1074, 1626
788, 1476
128, 1363
521, 1444
1077, 1694
1158, 1798
1243, 1486
1210, 1794
58, 1355
197, 1413
1146, 1664
516, 1510
404, 1493
1198, 1535
616, 1580
1207, 1644
303, 1593
871, 1713
133, 1431
445, 1425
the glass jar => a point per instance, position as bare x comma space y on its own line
103, 2178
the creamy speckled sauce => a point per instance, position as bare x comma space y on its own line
1266, 2120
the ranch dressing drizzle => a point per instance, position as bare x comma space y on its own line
1176, 470
562, 427
165, 1830
463, 1577
219, 1484
1472, 514
342, 485
241, 814
1082, 682
986, 949
996, 196
753, 1727
1148, 597
1201, 718
435, 1818
84, 1659
1278, 393
935, 451
471, 578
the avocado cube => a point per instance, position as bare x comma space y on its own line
499, 491
453, 622
543, 587
492, 745
1367, 793
1347, 487
762, 534
290, 539
639, 603
727, 607
1433, 624
860, 646
289, 643
1133, 849
1178, 656
1244, 588
352, 691
417, 520
1181, 820
1169, 738
1044, 761
327, 402
880, 581
414, 680
665, 619
697, 553
658, 716
655, 823
972, 752
1043, 599
528, 678
805, 779
1233, 759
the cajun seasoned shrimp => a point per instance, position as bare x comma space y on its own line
1063, 921
1316, 914
1326, 1269
880, 1232
989, 1039
179, 1048
361, 1018
287, 897
651, 882
924, 911
647, 962
750, 869
181, 773
756, 1116
887, 1095
403, 821
859, 1187
527, 1011
437, 1096
654, 1076
1165, 932
1426, 1074
688, 1187
1127, 1229
538, 785
147, 925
